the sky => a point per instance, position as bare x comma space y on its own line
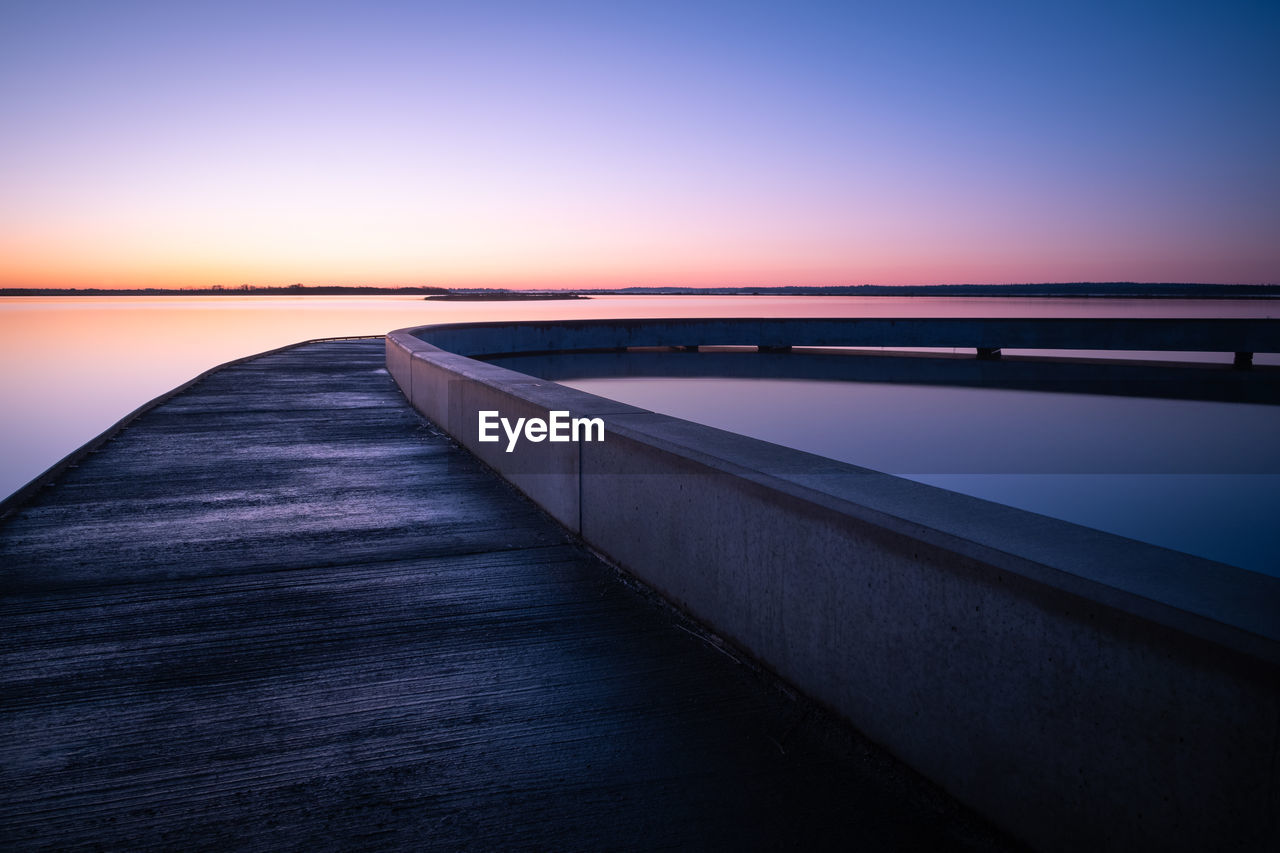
529, 144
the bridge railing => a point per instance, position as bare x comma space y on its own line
986, 336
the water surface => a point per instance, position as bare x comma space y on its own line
1199, 477
72, 366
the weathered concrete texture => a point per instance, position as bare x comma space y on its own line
281, 612
1084, 690
1030, 702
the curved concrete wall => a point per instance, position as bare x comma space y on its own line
1081, 689
1235, 335
1124, 377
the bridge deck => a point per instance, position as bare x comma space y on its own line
280, 611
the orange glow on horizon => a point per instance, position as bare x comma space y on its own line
547, 149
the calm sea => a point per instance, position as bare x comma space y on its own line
1199, 477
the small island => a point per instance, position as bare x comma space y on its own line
503, 296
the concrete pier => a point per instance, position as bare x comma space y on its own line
281, 611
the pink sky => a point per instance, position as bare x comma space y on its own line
772, 144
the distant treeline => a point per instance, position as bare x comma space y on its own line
1184, 290
1074, 288
216, 290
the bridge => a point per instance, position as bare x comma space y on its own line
280, 609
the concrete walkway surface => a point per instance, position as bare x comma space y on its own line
280, 611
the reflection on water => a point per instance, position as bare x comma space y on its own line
1195, 476
1226, 517
72, 366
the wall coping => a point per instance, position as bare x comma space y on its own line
993, 333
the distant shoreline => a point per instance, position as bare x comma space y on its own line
1076, 290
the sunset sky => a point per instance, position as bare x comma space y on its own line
610, 144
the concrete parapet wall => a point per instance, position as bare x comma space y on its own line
1081, 689
1228, 335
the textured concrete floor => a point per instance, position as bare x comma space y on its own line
281, 612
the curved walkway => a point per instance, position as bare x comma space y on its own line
280, 611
